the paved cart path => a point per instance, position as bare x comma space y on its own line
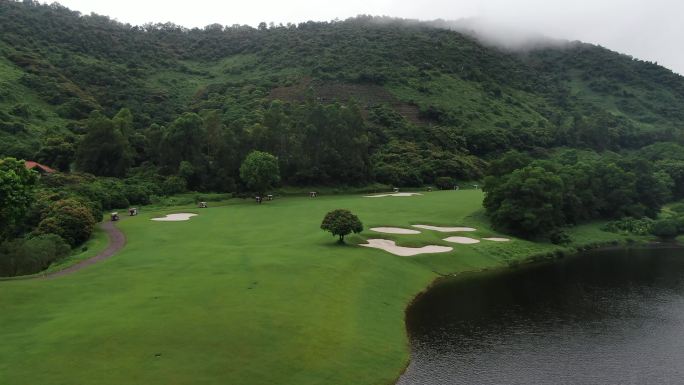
117, 240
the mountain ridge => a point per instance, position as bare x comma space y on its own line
414, 84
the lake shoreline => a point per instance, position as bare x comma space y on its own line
530, 261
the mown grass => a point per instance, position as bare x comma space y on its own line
243, 294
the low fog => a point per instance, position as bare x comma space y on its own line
495, 33
647, 29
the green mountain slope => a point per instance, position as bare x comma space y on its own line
437, 96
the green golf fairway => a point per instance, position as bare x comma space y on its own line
243, 294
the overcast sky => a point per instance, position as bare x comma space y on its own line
648, 29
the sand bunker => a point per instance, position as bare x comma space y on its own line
391, 247
392, 195
444, 229
497, 239
394, 230
462, 240
175, 217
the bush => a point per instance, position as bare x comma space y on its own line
559, 237
665, 228
117, 200
402, 175
445, 183
69, 218
680, 224
29, 256
641, 226
137, 194
678, 208
174, 185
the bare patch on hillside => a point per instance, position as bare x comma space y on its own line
367, 95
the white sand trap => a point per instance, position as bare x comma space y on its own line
497, 239
394, 230
444, 229
462, 240
175, 217
391, 247
392, 195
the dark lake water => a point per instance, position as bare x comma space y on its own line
607, 317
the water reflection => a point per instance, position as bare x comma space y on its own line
608, 317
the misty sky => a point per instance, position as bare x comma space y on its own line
648, 29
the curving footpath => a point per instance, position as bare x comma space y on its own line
117, 240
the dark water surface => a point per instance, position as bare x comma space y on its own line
607, 317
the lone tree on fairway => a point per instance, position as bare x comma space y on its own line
341, 222
260, 171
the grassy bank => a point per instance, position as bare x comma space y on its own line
245, 294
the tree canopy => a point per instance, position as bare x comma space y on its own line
16, 191
103, 150
527, 202
341, 223
259, 171
347, 102
534, 198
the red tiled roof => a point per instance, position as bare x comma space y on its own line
31, 165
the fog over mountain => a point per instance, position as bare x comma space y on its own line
505, 36
647, 29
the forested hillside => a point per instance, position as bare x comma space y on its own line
346, 102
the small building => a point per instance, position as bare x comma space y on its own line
41, 168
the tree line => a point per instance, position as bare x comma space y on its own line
539, 197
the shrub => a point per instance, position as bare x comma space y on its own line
118, 200
28, 256
69, 218
174, 185
137, 194
665, 228
559, 237
403, 175
445, 183
680, 224
641, 226
678, 208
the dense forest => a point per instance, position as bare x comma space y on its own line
127, 113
